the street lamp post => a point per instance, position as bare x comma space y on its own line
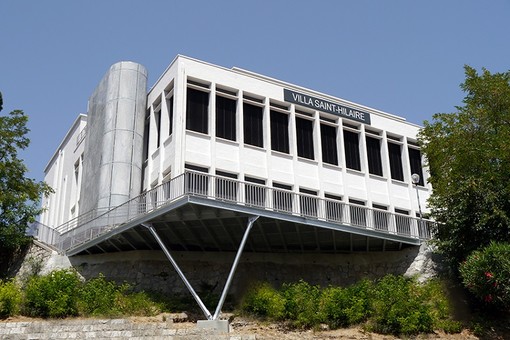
415, 178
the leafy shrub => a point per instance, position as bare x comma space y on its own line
486, 274
264, 300
302, 303
340, 307
98, 296
333, 306
10, 299
53, 295
136, 304
399, 307
359, 308
449, 326
394, 304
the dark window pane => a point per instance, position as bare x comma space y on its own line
334, 208
157, 118
381, 217
196, 183
328, 144
225, 118
395, 156
415, 164
146, 133
253, 134
170, 107
226, 188
279, 131
282, 200
358, 213
308, 204
374, 156
402, 222
304, 134
351, 147
197, 108
255, 192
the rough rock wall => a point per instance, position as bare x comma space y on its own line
207, 272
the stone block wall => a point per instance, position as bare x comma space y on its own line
119, 329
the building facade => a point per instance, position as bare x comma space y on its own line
255, 141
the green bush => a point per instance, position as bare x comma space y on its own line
53, 295
10, 299
399, 307
333, 306
486, 274
302, 303
341, 307
264, 300
136, 304
359, 308
393, 305
98, 297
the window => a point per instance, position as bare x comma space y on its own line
225, 118
146, 132
196, 182
415, 164
351, 147
170, 108
395, 156
167, 189
157, 119
282, 200
304, 134
308, 204
197, 110
402, 221
279, 131
328, 144
374, 156
358, 213
226, 188
380, 217
76, 171
334, 208
255, 192
154, 199
253, 125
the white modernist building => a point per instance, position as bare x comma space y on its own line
218, 160
237, 141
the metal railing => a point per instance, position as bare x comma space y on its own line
88, 226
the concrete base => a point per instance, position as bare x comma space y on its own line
217, 325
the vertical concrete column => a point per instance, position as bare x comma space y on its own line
112, 164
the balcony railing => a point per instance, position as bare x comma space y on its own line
93, 224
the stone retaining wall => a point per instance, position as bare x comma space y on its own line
106, 329
207, 272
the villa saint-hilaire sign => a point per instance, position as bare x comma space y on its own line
326, 106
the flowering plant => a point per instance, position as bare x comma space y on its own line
486, 274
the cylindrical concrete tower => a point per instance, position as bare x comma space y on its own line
113, 151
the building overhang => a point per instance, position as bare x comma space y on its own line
200, 224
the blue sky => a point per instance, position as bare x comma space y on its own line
402, 57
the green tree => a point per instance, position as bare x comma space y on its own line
468, 153
19, 195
